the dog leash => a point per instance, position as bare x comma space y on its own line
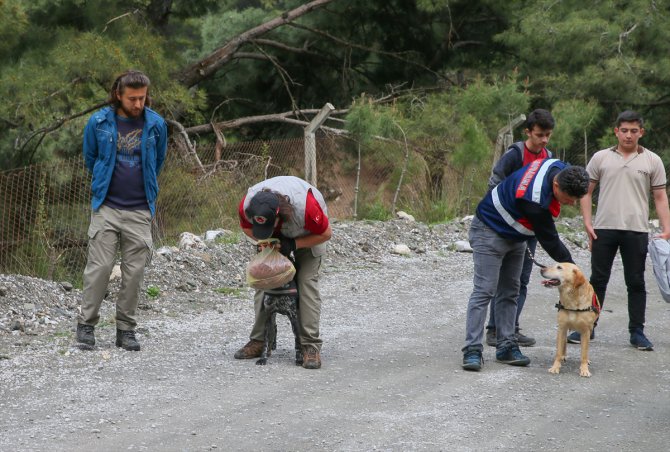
532, 258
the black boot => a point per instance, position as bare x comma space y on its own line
85, 335
126, 340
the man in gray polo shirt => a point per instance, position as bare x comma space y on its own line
627, 174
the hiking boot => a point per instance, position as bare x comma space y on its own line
85, 335
473, 360
639, 340
252, 349
126, 340
576, 338
491, 337
311, 357
512, 355
523, 340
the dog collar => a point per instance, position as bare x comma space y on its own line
595, 306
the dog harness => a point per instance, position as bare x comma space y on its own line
595, 306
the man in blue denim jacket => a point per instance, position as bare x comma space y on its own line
124, 149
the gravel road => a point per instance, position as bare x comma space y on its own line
393, 327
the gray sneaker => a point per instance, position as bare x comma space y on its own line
523, 340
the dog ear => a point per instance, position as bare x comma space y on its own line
579, 278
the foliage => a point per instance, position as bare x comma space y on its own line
153, 291
452, 72
574, 118
612, 53
376, 210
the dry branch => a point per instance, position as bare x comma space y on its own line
206, 67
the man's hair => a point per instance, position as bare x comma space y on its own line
574, 181
629, 116
132, 79
285, 207
541, 118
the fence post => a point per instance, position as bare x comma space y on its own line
506, 137
310, 142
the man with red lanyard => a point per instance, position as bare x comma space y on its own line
295, 212
539, 126
522, 206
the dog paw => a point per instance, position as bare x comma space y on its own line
262, 362
554, 369
584, 373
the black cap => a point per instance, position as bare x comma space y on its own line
263, 209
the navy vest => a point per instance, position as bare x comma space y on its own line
498, 209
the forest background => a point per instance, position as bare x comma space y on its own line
420, 89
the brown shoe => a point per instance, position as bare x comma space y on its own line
311, 357
252, 349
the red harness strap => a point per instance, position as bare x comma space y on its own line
595, 304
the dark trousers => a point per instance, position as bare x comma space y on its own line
633, 248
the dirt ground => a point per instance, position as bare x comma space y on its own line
391, 378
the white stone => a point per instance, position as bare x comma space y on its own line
167, 250
188, 240
116, 273
467, 218
405, 216
463, 246
401, 249
211, 235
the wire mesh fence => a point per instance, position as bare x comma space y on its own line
45, 208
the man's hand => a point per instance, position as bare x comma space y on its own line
591, 234
286, 245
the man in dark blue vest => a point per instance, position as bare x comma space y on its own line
539, 127
523, 206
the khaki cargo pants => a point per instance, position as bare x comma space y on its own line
110, 229
309, 311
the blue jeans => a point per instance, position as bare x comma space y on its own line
498, 263
632, 246
526, 270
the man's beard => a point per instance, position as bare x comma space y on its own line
131, 114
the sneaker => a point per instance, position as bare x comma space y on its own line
311, 357
126, 340
576, 338
473, 360
491, 337
523, 340
252, 349
512, 356
639, 340
85, 335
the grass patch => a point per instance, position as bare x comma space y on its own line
229, 291
153, 291
228, 239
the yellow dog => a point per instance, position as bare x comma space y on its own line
578, 309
